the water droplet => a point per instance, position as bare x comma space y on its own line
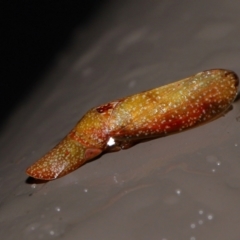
58, 209
115, 179
235, 144
193, 225
32, 227
178, 191
33, 185
200, 212
86, 190
210, 217
200, 222
51, 232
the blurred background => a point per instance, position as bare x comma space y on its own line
34, 34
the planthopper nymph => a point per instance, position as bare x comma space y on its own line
123, 123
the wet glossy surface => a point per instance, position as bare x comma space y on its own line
184, 186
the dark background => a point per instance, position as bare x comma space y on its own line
33, 33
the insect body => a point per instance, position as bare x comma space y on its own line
123, 123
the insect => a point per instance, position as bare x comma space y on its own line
123, 123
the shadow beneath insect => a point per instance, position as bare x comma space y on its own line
237, 97
31, 181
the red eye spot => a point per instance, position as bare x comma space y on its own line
104, 108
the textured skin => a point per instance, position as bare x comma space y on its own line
155, 113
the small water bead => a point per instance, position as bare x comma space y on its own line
58, 209
32, 227
200, 212
210, 217
200, 222
218, 163
178, 191
193, 225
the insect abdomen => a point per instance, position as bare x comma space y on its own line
175, 107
